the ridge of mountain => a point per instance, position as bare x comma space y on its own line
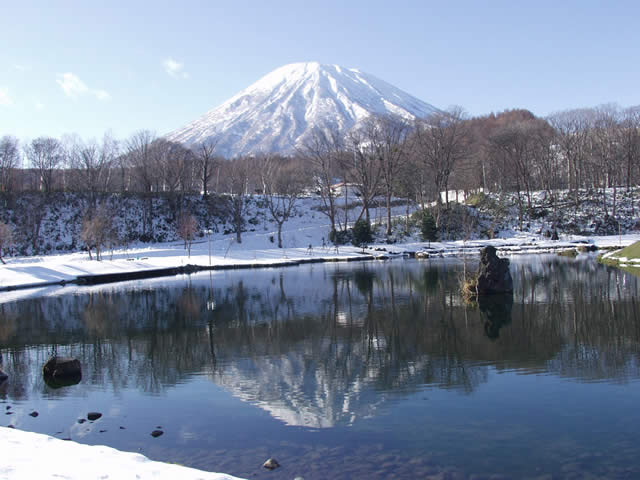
279, 112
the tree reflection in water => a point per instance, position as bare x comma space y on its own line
326, 345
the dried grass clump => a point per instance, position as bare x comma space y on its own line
468, 287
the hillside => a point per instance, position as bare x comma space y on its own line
484, 216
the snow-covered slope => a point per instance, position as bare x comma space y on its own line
279, 111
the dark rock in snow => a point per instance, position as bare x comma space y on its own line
34, 414
94, 415
82, 420
493, 273
156, 433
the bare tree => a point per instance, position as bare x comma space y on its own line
363, 169
174, 171
6, 239
93, 164
98, 231
514, 144
45, 155
9, 162
443, 141
389, 139
547, 162
237, 179
324, 151
187, 229
140, 158
607, 150
572, 129
207, 163
282, 184
630, 144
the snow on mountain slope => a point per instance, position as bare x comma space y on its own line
280, 111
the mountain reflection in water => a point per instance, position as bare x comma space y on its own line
321, 346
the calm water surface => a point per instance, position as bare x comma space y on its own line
370, 370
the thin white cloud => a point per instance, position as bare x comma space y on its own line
5, 99
174, 68
101, 94
39, 106
75, 88
21, 68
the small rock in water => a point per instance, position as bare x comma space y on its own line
34, 414
271, 464
94, 415
62, 367
156, 433
122, 428
102, 431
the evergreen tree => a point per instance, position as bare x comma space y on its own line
428, 228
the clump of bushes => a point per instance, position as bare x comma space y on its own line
340, 237
361, 233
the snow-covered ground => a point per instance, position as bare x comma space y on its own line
27, 455
256, 250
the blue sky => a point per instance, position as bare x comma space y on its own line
86, 67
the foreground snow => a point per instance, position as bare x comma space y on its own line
32, 455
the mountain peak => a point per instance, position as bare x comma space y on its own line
279, 112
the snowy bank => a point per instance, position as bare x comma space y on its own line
33, 455
34, 272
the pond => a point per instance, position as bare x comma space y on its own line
367, 370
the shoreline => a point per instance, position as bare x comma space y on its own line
158, 260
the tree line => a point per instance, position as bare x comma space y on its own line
386, 157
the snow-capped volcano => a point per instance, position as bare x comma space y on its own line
280, 111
